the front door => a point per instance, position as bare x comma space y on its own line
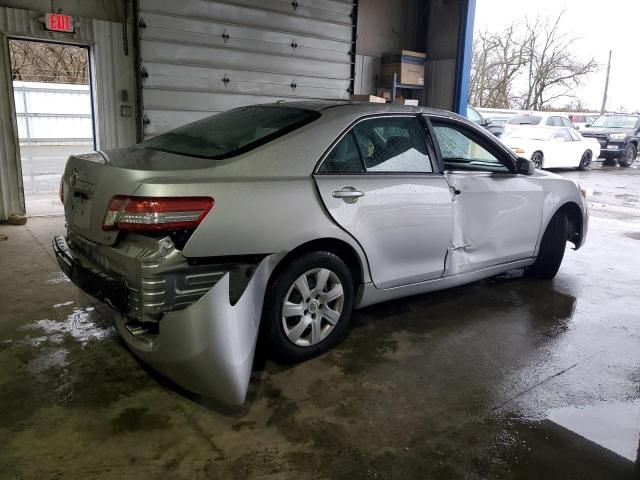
563, 150
497, 213
379, 183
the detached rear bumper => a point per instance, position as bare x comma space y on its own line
207, 348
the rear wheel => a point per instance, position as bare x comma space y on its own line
552, 248
308, 307
537, 158
629, 156
585, 161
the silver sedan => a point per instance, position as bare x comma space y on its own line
276, 221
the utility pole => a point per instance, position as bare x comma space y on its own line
606, 86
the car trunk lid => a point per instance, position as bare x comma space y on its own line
91, 180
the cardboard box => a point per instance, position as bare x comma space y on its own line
367, 98
408, 65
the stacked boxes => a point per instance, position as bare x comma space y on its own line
408, 65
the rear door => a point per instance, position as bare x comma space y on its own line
380, 182
497, 213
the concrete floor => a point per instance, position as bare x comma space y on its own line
42, 168
505, 378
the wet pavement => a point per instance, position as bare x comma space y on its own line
505, 378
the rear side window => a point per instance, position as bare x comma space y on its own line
393, 144
233, 132
525, 120
344, 158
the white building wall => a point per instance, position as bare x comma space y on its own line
53, 113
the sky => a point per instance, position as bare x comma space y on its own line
600, 26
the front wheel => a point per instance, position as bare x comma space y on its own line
628, 156
585, 161
537, 159
308, 307
552, 248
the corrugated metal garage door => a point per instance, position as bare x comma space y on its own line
200, 57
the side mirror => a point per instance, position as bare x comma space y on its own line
486, 122
587, 125
525, 167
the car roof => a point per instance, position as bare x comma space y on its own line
350, 107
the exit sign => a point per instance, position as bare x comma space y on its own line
57, 22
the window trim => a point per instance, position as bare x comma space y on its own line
502, 153
435, 164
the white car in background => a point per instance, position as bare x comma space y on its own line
553, 147
537, 119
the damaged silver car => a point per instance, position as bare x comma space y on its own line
283, 218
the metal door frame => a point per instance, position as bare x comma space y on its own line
6, 37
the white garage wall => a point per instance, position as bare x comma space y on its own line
201, 57
112, 71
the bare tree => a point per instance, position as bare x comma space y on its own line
553, 71
528, 66
498, 59
48, 62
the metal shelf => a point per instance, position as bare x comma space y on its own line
402, 86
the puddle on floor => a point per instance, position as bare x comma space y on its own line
63, 304
79, 325
612, 425
56, 278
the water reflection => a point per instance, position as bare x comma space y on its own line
612, 425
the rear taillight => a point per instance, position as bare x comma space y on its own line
150, 214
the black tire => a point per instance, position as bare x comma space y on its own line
279, 345
629, 156
538, 160
552, 248
585, 161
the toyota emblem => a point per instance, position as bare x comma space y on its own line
73, 178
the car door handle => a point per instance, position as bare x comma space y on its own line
347, 192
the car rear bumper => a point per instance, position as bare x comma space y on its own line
207, 348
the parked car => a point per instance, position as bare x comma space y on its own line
618, 135
495, 127
553, 147
283, 218
581, 120
537, 119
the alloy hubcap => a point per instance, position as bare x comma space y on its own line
312, 307
537, 161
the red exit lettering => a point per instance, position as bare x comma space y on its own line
59, 23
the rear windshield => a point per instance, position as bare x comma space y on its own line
233, 132
525, 120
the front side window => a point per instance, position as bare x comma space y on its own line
461, 151
393, 144
562, 135
566, 122
233, 132
474, 115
